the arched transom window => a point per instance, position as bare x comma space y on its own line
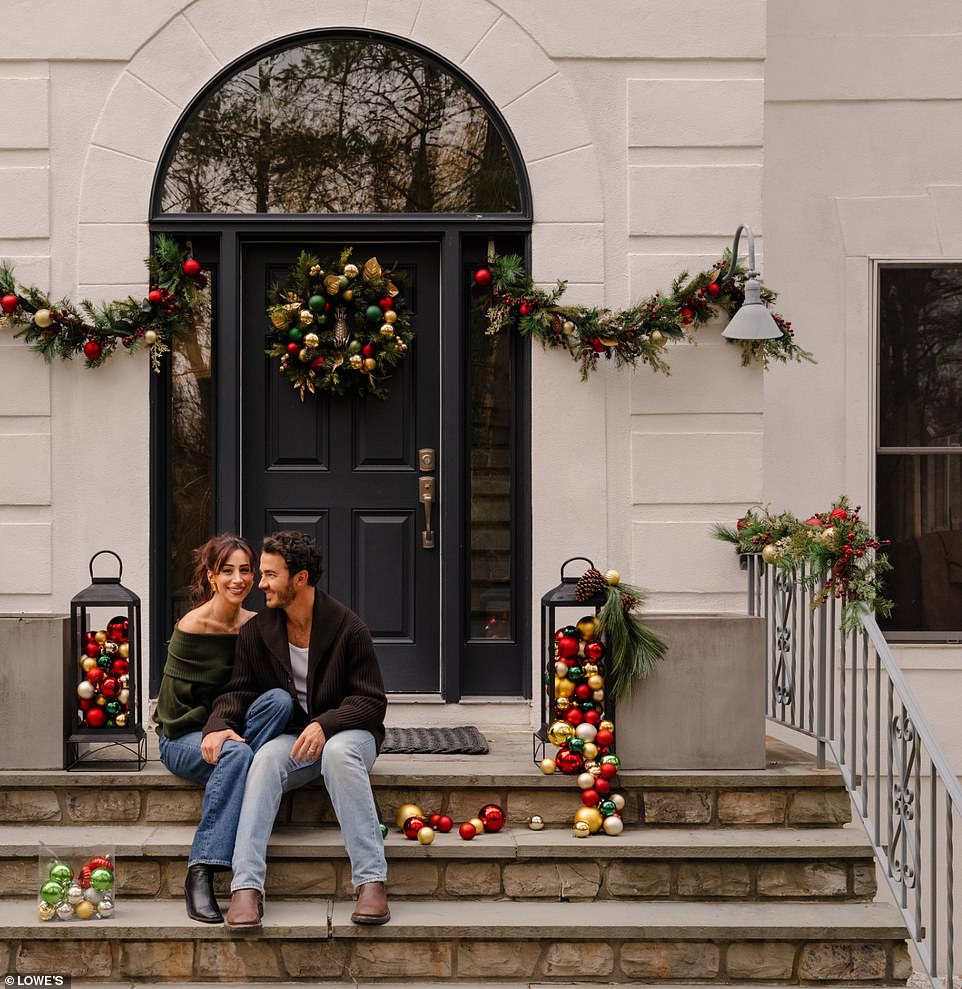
340, 125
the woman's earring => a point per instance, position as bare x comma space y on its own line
213, 586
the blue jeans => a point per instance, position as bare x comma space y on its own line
224, 782
345, 764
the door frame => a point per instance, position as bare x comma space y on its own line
462, 240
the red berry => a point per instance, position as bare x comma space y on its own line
155, 296
192, 267
386, 303
597, 346
526, 308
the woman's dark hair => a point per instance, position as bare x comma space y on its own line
299, 550
210, 557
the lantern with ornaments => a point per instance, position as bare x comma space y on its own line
102, 699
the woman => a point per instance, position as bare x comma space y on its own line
200, 658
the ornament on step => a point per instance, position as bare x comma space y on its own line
493, 817
74, 891
425, 834
405, 811
477, 824
444, 824
412, 826
536, 822
384, 830
467, 831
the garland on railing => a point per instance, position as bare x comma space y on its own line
629, 336
837, 547
64, 330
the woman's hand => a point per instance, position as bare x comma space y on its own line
211, 744
309, 743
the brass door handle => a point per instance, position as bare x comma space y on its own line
426, 491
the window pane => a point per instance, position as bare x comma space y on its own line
920, 365
192, 514
920, 510
491, 454
341, 126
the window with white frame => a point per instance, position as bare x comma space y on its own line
919, 453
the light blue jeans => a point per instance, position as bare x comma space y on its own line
345, 764
223, 782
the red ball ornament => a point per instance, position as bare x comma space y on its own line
292, 349
110, 687
367, 350
117, 628
118, 668
154, 296
444, 824
483, 277
603, 787
687, 315
604, 738
92, 350
714, 290
411, 827
567, 647
95, 676
526, 308
574, 716
569, 762
608, 770
93, 649
85, 705
593, 717
493, 817
386, 303
96, 717
594, 651
433, 820
467, 831
583, 691
192, 267
9, 303
317, 363
590, 797
597, 346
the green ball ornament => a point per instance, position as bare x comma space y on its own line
354, 347
611, 760
321, 320
587, 705
576, 745
101, 880
52, 893
105, 662
383, 831
575, 673
373, 314
607, 808
61, 873
571, 632
344, 280
294, 334
114, 708
317, 303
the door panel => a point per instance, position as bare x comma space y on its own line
345, 469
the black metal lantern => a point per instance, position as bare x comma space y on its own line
560, 598
101, 695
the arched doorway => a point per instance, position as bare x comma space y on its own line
316, 142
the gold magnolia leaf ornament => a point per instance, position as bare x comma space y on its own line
280, 319
371, 270
332, 284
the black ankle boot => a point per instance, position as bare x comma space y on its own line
199, 892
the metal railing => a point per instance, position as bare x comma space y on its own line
848, 693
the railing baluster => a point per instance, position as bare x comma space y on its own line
821, 690
917, 886
878, 749
864, 638
842, 676
934, 871
949, 890
890, 802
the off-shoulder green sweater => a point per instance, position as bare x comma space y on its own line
198, 665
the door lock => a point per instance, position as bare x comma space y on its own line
426, 459
426, 495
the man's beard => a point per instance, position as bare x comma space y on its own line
284, 598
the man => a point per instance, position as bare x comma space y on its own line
322, 654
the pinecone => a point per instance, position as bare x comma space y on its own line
629, 602
591, 582
556, 323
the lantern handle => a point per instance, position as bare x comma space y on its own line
106, 580
574, 580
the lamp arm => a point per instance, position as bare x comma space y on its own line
734, 259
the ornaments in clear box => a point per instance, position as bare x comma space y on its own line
579, 729
69, 894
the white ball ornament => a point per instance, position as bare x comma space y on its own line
75, 895
86, 690
618, 800
65, 911
586, 731
613, 824
124, 697
586, 781
561, 670
93, 896
598, 695
105, 908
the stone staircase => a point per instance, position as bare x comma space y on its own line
719, 877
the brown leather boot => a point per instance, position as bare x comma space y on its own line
371, 906
246, 910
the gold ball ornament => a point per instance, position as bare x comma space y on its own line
612, 577
101, 700
370, 364
581, 830
401, 345
606, 725
594, 768
590, 816
613, 825
536, 822
348, 294
596, 681
88, 663
85, 910
426, 835
124, 651
311, 340
658, 338
405, 811
770, 554
588, 628
590, 669
121, 720
390, 316
306, 317
590, 751
351, 270
387, 331
110, 647
562, 703
357, 362
478, 825
547, 766
46, 911
303, 355
563, 688
100, 637
280, 319
559, 732
150, 337
568, 327
43, 318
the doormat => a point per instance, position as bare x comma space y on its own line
435, 741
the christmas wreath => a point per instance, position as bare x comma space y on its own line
337, 327
64, 330
629, 336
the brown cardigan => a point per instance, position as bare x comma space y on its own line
344, 685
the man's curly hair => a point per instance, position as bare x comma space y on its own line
299, 550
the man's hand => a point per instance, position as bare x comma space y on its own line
309, 743
211, 744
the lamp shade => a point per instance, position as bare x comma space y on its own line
753, 321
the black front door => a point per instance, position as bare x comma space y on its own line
346, 469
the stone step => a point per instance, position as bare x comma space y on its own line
641, 863
313, 939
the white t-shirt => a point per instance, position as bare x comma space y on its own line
299, 669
